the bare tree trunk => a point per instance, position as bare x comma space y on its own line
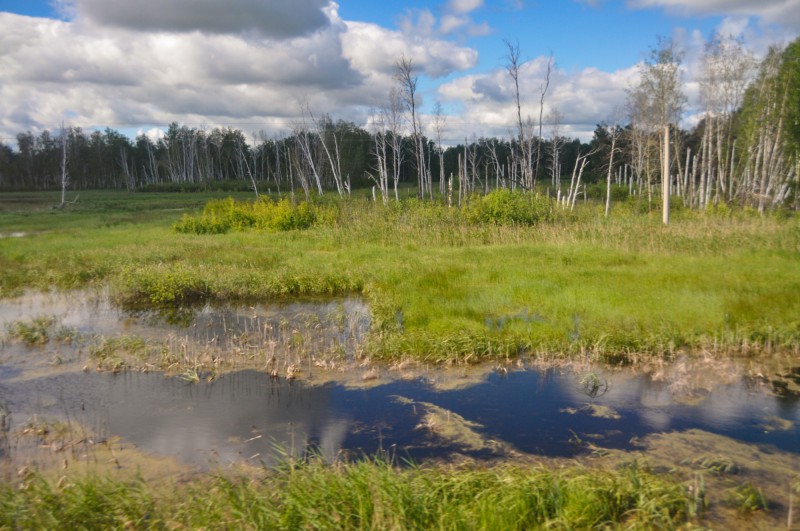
243, 162
404, 68
665, 178
610, 169
541, 112
584, 162
512, 67
64, 171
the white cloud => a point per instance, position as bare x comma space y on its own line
419, 22
450, 23
455, 19
91, 75
155, 134
781, 12
584, 98
464, 6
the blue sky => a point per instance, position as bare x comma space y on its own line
607, 35
254, 64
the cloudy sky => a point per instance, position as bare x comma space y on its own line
250, 64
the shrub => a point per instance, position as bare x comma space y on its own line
220, 216
504, 207
597, 191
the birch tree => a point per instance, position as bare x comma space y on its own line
305, 141
63, 165
523, 143
614, 133
726, 69
770, 130
405, 76
554, 118
659, 100
542, 92
439, 121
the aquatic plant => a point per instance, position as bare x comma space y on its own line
37, 331
748, 498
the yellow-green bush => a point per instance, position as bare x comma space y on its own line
504, 207
223, 215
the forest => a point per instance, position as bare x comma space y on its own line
743, 150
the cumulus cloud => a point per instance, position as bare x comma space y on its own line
782, 12
374, 49
584, 98
456, 19
103, 74
272, 18
92, 75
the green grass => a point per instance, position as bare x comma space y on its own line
363, 495
444, 284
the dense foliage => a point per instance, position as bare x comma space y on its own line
221, 216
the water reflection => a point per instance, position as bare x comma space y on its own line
94, 313
219, 336
245, 415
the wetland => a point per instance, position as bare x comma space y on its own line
224, 359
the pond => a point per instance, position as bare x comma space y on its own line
408, 412
247, 414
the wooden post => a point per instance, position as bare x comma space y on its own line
665, 178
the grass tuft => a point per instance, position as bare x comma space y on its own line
366, 494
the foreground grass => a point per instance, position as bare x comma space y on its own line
364, 495
442, 287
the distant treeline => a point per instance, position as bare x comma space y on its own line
745, 150
195, 157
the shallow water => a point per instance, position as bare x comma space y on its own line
414, 413
94, 313
244, 415
241, 336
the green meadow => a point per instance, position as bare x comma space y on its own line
503, 275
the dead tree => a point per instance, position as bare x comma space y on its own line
524, 156
404, 74
64, 169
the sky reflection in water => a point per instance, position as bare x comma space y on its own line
246, 414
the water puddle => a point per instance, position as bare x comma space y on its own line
53, 333
247, 414
295, 381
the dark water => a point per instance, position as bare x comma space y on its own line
246, 414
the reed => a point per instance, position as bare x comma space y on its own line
368, 494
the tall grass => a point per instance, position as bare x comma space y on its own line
446, 283
362, 495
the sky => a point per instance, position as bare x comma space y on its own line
254, 64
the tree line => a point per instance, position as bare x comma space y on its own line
745, 149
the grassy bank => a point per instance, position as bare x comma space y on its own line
443, 284
365, 495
